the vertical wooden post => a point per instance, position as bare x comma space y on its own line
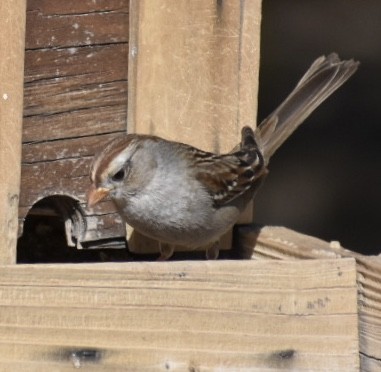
193, 73
12, 41
193, 70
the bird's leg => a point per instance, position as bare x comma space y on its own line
166, 251
213, 251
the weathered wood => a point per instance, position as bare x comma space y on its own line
101, 119
193, 75
75, 100
181, 315
193, 66
70, 177
73, 94
83, 61
44, 160
76, 147
281, 243
369, 364
76, 23
12, 38
75, 7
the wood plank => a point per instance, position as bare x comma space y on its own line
76, 23
65, 359
47, 178
90, 61
234, 315
71, 94
77, 147
101, 119
12, 37
55, 8
188, 67
281, 243
63, 80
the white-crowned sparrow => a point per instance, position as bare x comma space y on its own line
179, 195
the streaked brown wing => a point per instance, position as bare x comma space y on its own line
228, 176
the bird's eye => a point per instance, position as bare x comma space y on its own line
119, 176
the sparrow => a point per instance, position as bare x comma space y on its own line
179, 195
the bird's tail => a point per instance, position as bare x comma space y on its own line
324, 76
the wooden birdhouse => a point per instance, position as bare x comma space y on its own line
75, 74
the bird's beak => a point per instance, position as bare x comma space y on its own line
95, 195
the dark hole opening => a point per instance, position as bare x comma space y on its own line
44, 238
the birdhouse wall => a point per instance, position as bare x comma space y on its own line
75, 100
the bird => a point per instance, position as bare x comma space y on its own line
180, 195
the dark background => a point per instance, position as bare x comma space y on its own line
325, 180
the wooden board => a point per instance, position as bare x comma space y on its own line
194, 70
193, 76
12, 37
198, 316
281, 243
75, 101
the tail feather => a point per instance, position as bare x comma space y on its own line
324, 76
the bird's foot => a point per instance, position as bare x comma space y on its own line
213, 251
166, 251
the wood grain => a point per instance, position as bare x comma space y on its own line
230, 315
75, 100
193, 66
40, 128
76, 23
12, 37
284, 244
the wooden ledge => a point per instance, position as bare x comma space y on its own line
186, 315
284, 244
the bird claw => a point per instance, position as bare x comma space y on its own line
166, 251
